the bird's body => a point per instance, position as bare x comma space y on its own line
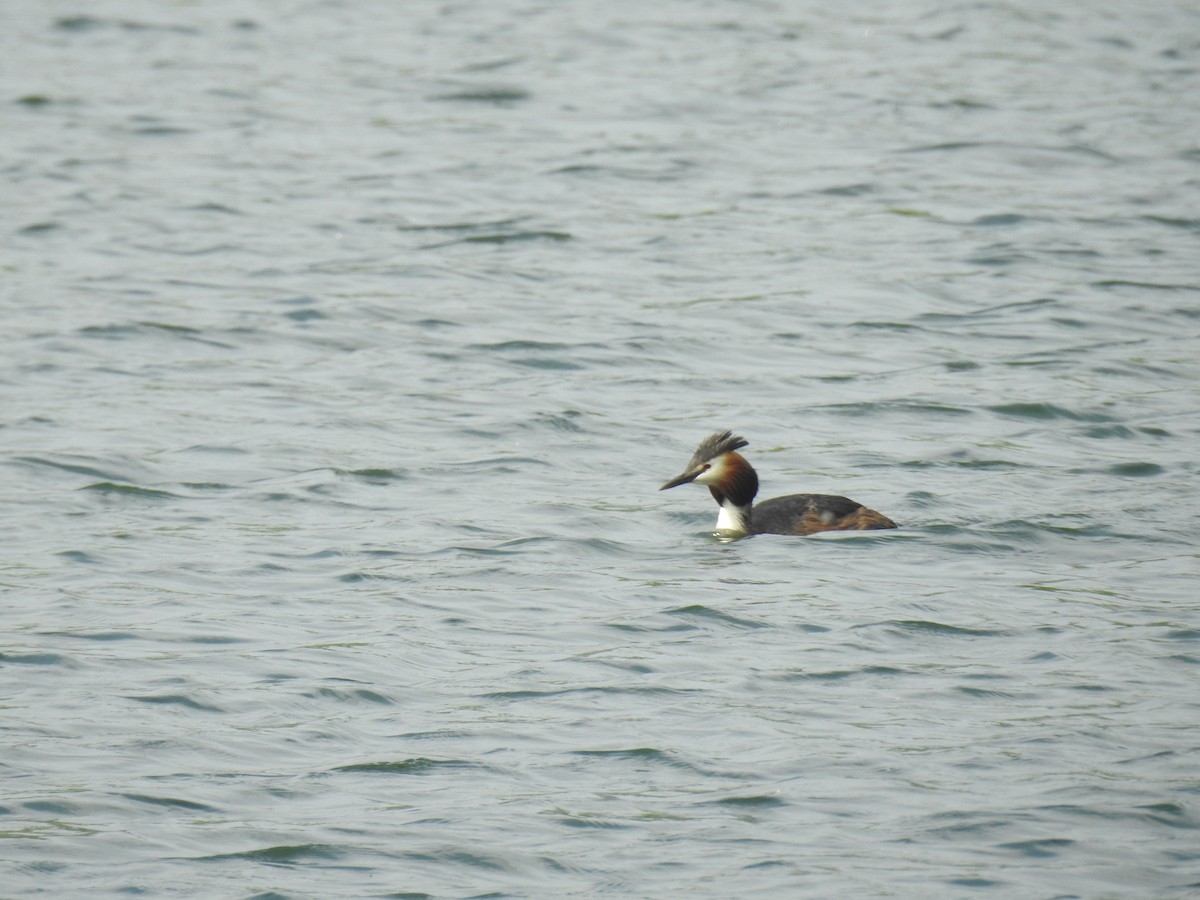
733, 483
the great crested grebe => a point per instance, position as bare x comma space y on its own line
733, 483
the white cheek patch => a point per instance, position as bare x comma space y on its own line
827, 517
713, 474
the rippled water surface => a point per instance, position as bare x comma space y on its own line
345, 344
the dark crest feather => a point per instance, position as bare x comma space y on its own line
716, 444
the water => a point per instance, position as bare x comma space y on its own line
345, 345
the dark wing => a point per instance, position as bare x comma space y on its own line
807, 513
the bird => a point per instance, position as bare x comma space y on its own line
717, 465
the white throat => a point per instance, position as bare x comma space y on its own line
733, 518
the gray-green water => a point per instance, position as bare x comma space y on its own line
344, 346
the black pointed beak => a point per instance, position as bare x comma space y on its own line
681, 479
